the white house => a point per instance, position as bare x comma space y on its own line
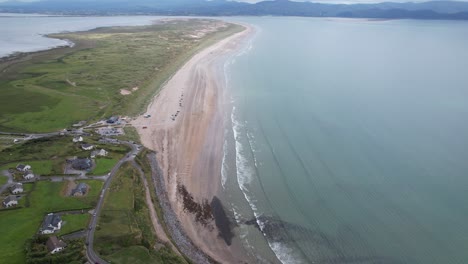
23, 167
52, 223
28, 175
10, 201
87, 146
54, 245
78, 139
101, 153
16, 188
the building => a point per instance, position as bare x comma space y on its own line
77, 139
54, 245
82, 164
112, 120
87, 146
28, 175
80, 190
10, 201
102, 153
52, 223
23, 167
16, 188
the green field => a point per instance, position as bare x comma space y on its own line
104, 165
55, 89
73, 223
47, 156
42, 167
3, 180
23, 223
125, 233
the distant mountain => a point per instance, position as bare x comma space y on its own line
386, 10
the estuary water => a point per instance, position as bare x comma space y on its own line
26, 33
348, 141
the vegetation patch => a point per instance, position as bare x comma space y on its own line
3, 180
125, 233
74, 222
37, 252
44, 197
202, 211
52, 90
104, 165
41, 167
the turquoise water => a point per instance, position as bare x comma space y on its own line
351, 141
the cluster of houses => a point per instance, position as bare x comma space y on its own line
17, 188
26, 171
51, 224
11, 200
86, 146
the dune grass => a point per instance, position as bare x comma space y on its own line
62, 86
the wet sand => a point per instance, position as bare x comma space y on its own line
186, 129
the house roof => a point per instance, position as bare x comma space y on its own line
53, 242
80, 188
26, 173
86, 145
10, 198
51, 220
81, 164
16, 186
21, 166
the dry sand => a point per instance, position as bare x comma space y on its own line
186, 129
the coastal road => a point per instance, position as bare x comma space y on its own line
90, 253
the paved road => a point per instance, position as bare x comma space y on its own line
91, 254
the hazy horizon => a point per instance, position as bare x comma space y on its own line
313, 1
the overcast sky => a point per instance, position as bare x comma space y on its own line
316, 1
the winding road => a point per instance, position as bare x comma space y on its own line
90, 253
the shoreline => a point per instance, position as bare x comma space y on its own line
187, 132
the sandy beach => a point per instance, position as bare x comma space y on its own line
186, 130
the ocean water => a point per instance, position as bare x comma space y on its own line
26, 33
347, 141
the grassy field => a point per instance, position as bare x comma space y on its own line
23, 223
42, 167
48, 156
104, 165
74, 222
3, 180
125, 233
60, 87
